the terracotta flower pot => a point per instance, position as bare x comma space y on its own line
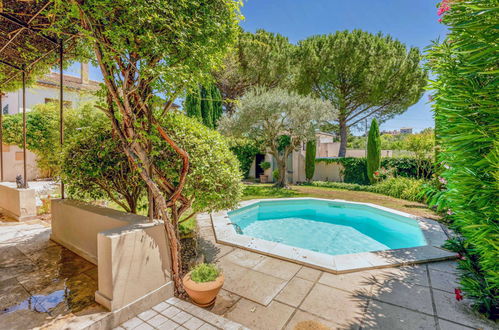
264, 178
203, 294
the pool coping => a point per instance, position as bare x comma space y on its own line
435, 236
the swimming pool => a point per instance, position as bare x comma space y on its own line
329, 227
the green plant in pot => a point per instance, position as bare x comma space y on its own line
203, 283
263, 177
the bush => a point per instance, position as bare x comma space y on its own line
310, 159
275, 175
245, 151
403, 188
355, 169
203, 273
373, 151
265, 165
466, 121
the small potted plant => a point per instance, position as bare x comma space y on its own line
263, 177
203, 283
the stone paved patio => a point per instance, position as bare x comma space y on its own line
263, 292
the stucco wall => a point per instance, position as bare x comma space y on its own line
13, 164
17, 203
328, 172
76, 224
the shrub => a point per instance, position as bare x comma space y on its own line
245, 151
373, 151
355, 169
265, 165
404, 188
275, 174
466, 121
203, 273
310, 159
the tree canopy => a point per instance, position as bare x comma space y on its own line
361, 74
258, 59
281, 120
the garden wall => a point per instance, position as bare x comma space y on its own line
328, 172
19, 204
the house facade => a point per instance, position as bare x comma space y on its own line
77, 90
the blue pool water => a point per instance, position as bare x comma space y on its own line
327, 226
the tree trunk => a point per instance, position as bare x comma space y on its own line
283, 175
343, 137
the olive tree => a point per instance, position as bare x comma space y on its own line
148, 48
361, 74
279, 119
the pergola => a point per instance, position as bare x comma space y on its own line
28, 48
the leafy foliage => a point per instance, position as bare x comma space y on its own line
361, 74
310, 153
258, 59
355, 169
206, 106
203, 273
405, 188
42, 131
245, 151
192, 104
465, 107
373, 151
267, 115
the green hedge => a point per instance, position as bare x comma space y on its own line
355, 169
400, 187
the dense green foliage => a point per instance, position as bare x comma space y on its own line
258, 59
400, 187
373, 151
204, 104
42, 131
95, 168
245, 151
310, 152
192, 104
355, 169
280, 120
467, 129
217, 107
361, 74
203, 273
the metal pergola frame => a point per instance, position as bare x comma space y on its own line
23, 70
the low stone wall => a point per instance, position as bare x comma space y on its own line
75, 225
328, 172
19, 204
133, 261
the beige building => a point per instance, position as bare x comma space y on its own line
77, 90
327, 147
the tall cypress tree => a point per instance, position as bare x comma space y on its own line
216, 98
206, 107
310, 159
373, 150
192, 105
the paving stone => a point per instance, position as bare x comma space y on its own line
171, 311
340, 307
146, 315
12, 294
169, 325
161, 307
157, 320
244, 258
301, 316
459, 311
358, 282
207, 326
278, 268
182, 317
449, 266
225, 300
416, 274
193, 323
132, 323
384, 316
446, 325
406, 295
256, 316
295, 291
443, 280
144, 326
308, 273
253, 285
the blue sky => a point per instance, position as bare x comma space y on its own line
414, 22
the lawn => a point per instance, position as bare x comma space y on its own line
261, 191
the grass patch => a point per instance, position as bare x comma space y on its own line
268, 191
